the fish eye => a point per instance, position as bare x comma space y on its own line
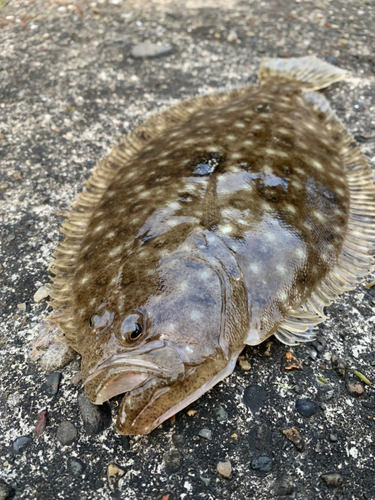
137, 332
131, 327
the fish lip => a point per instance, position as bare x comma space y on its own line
125, 369
119, 359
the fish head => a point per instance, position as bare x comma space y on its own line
167, 351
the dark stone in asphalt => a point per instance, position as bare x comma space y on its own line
66, 433
332, 479
254, 397
263, 464
172, 460
306, 407
283, 486
95, 418
124, 440
6, 491
21, 443
75, 466
51, 386
260, 438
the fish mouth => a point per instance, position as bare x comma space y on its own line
124, 372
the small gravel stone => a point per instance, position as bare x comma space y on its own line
283, 486
21, 307
21, 443
221, 414
75, 466
313, 354
172, 461
150, 50
319, 344
6, 491
42, 293
333, 438
205, 433
48, 351
66, 433
51, 386
294, 437
95, 418
263, 464
125, 443
254, 397
306, 407
41, 423
338, 366
354, 388
290, 363
332, 479
225, 469
232, 36
244, 364
114, 473
205, 480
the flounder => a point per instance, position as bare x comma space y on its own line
218, 223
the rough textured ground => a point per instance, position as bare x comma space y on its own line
69, 89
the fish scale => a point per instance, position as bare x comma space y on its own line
216, 224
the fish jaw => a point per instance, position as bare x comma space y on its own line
123, 373
146, 407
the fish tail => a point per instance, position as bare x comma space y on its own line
310, 71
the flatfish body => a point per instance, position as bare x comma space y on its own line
216, 224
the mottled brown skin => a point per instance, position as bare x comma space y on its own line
210, 235
252, 193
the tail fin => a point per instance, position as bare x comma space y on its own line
313, 73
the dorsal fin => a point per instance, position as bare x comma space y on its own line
310, 71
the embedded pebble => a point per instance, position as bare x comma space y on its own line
21, 443
244, 364
221, 414
306, 407
51, 386
75, 466
6, 491
225, 469
66, 433
114, 473
95, 418
205, 433
232, 36
42, 293
254, 397
172, 461
283, 487
290, 363
150, 50
263, 464
319, 344
354, 388
333, 438
332, 479
338, 366
48, 351
21, 307
294, 437
125, 443
41, 423
205, 480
